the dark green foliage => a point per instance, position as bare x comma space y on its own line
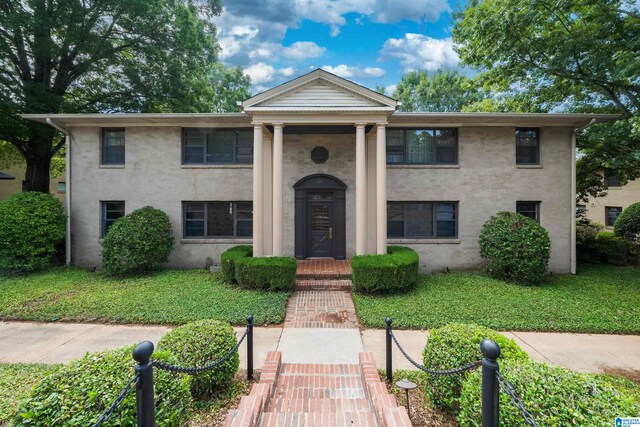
78, 393
138, 242
16, 382
612, 249
228, 259
627, 225
273, 273
555, 396
397, 271
455, 345
200, 343
515, 248
31, 224
595, 246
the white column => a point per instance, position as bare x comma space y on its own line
257, 190
573, 252
361, 190
277, 188
381, 189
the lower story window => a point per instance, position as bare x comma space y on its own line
611, 213
111, 211
418, 220
529, 209
217, 219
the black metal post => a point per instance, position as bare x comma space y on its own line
145, 405
250, 346
388, 321
490, 387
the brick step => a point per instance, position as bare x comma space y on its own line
319, 393
319, 381
318, 419
319, 369
323, 276
324, 284
318, 405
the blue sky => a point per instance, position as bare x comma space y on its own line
372, 42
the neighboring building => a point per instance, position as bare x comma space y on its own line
12, 181
322, 167
605, 210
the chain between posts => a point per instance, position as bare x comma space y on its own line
106, 415
510, 391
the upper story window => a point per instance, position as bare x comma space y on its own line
110, 212
217, 146
218, 219
415, 220
112, 147
529, 209
611, 214
422, 146
527, 146
611, 180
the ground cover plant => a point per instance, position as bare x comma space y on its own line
16, 380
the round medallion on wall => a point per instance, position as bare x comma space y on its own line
319, 155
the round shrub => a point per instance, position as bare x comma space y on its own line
455, 345
396, 271
138, 242
31, 224
228, 261
627, 225
555, 396
78, 393
515, 248
200, 343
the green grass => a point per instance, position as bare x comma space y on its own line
167, 297
600, 298
16, 380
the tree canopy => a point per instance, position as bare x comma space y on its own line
105, 56
443, 91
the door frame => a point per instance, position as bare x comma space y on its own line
320, 183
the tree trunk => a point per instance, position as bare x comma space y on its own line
38, 165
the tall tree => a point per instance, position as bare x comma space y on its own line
65, 56
443, 91
577, 55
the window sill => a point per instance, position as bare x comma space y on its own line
529, 166
111, 166
221, 241
409, 166
424, 241
231, 166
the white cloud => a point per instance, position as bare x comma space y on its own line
417, 51
391, 11
260, 73
347, 71
300, 51
287, 72
388, 90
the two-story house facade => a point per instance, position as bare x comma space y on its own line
322, 167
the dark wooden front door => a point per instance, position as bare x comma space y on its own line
320, 225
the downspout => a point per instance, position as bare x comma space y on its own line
574, 132
67, 193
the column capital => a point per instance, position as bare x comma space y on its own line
382, 123
360, 124
256, 124
279, 124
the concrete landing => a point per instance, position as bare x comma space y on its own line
320, 345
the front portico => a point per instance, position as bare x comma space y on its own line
351, 121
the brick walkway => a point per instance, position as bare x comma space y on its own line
324, 269
321, 309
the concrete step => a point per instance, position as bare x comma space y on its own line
318, 405
318, 419
324, 284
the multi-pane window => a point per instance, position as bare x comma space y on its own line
112, 148
529, 209
611, 213
217, 146
422, 146
218, 219
111, 211
422, 219
527, 146
611, 180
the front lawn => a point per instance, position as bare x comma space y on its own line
600, 298
167, 297
16, 381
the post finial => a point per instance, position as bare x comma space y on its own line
490, 349
388, 321
143, 351
250, 319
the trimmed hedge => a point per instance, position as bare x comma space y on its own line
627, 226
555, 396
138, 242
228, 259
200, 343
31, 225
397, 271
78, 393
515, 248
272, 273
455, 345
595, 246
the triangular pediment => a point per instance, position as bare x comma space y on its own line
321, 91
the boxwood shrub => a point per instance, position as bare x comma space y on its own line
455, 345
515, 248
555, 396
200, 343
397, 271
78, 393
627, 225
138, 242
269, 273
228, 259
31, 225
